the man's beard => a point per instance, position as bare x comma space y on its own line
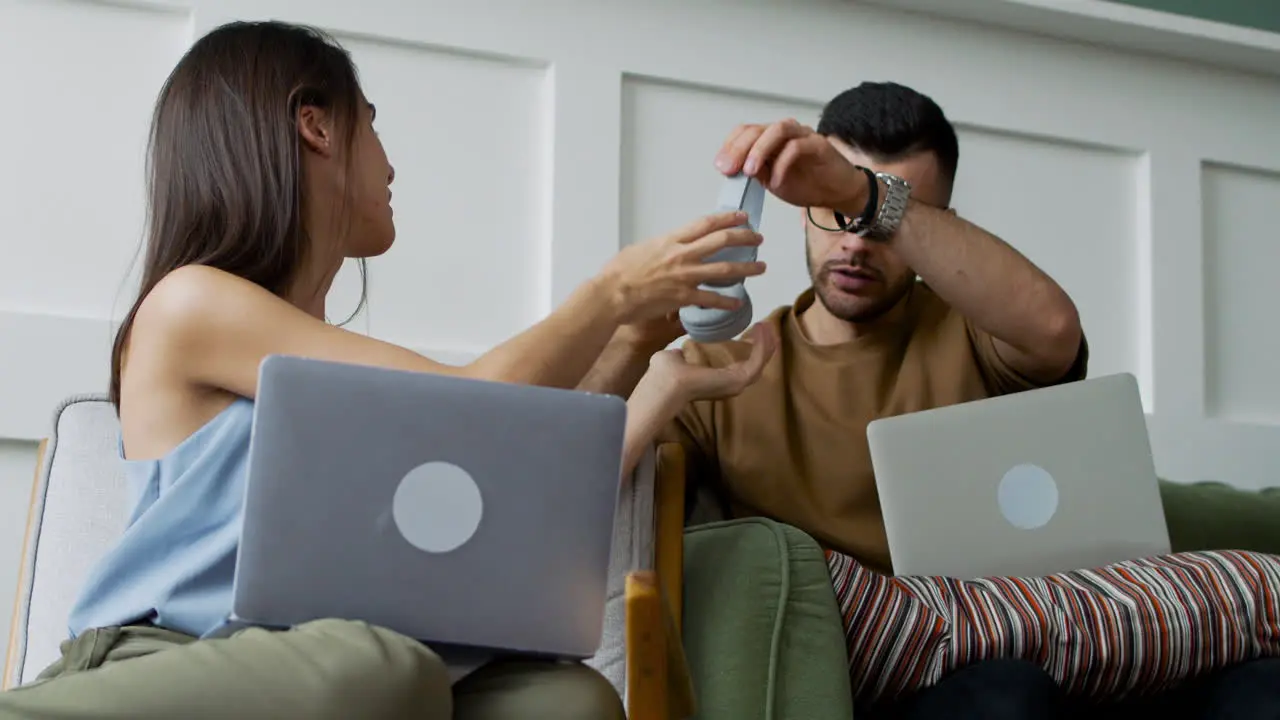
853, 309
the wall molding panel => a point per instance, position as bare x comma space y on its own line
531, 144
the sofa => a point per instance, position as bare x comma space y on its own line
731, 619
1204, 515
730, 569
706, 617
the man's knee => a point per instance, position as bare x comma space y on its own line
992, 690
1248, 690
1026, 679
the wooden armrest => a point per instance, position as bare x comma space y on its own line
11, 653
659, 686
658, 682
668, 533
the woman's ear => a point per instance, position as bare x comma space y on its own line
316, 130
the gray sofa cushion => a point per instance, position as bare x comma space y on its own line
82, 504
632, 548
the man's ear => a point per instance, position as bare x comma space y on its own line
316, 129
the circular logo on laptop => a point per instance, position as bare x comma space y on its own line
437, 507
1028, 496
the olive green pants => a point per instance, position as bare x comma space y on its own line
322, 669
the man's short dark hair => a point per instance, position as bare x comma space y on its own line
888, 122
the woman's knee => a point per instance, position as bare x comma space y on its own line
329, 669
534, 690
593, 696
391, 674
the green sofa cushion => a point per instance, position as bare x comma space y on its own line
761, 628
1217, 516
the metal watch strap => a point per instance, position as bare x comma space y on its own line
889, 216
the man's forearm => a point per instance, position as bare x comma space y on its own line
619, 367
1033, 320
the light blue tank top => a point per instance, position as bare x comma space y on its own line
175, 563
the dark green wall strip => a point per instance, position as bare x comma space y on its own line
1259, 14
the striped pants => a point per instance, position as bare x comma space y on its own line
1126, 633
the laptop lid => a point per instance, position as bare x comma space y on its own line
456, 511
1028, 484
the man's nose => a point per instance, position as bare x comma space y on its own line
853, 244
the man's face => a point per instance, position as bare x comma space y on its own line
857, 279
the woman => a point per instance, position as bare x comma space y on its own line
265, 174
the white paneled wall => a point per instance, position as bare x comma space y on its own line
469, 137
1241, 210
531, 140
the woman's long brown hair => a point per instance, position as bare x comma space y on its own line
224, 175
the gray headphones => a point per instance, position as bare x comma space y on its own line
710, 325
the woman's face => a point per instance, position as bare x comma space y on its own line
348, 188
372, 229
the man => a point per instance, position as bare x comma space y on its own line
924, 310
870, 338
917, 309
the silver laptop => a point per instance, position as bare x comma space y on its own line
1027, 484
475, 516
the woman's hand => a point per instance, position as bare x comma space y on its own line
651, 335
652, 278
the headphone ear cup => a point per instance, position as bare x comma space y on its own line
712, 325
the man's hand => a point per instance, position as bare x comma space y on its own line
671, 383
695, 382
796, 164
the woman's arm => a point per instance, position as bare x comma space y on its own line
214, 329
211, 329
626, 357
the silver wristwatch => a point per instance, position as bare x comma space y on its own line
892, 208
